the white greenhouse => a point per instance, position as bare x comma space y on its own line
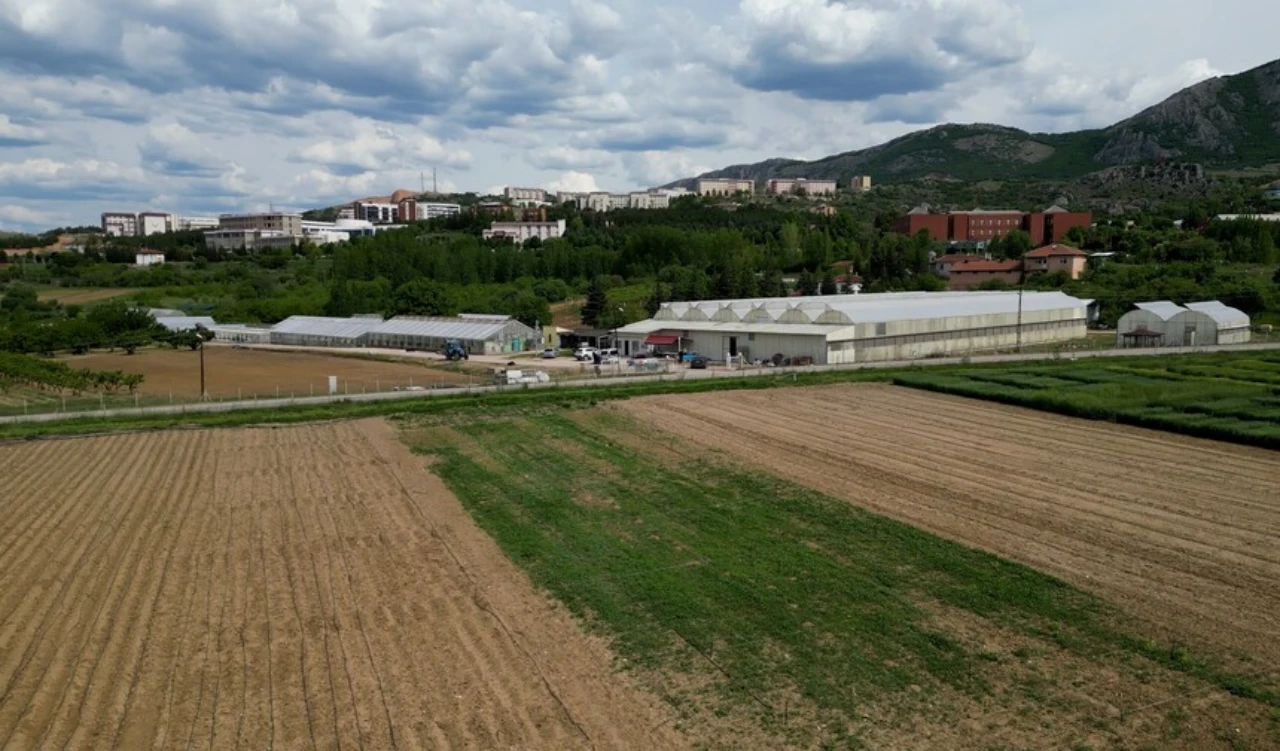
1166, 324
1206, 323
320, 331
479, 334
861, 328
1150, 324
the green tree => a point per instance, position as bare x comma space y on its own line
772, 284
807, 283
654, 302
829, 286
423, 297
597, 301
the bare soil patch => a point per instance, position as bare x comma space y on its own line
78, 296
1181, 532
280, 588
242, 373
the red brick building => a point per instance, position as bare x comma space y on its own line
1045, 227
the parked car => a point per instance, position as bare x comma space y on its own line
549, 354
698, 362
585, 353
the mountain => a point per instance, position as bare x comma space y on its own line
1229, 121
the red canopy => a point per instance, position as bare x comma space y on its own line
660, 340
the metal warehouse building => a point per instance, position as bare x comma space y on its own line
480, 334
1167, 324
319, 331
862, 328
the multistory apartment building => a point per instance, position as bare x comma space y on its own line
276, 221
522, 232
188, 223
800, 185
724, 187
979, 226
525, 195
860, 183
117, 224
154, 223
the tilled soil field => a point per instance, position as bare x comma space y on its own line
302, 587
1183, 533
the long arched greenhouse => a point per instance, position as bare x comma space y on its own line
861, 328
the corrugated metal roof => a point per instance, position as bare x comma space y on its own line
164, 312
1221, 314
877, 307
443, 328
795, 329
1165, 309
184, 323
334, 328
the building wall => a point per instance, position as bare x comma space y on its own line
860, 183
959, 280
1057, 225
1139, 319
1073, 265
248, 239
154, 224
724, 187
120, 225
936, 225
960, 335
290, 224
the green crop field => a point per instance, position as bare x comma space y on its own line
792, 616
1231, 397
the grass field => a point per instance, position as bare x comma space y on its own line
1232, 397
779, 615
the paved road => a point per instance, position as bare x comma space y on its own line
680, 375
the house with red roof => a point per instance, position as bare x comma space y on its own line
967, 274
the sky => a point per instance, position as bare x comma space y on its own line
202, 107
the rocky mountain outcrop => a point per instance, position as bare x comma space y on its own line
1230, 121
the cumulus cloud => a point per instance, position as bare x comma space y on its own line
24, 217
13, 135
652, 168
568, 158
370, 146
85, 179
574, 182
172, 149
841, 51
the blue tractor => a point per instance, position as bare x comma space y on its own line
453, 350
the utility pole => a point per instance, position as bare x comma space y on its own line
435, 186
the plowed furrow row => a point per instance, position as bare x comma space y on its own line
1197, 539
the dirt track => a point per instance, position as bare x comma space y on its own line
1182, 532
290, 588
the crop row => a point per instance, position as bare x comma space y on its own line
32, 372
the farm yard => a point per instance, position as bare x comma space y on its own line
287, 588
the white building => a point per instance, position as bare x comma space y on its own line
521, 232
525, 196
324, 233
249, 239
860, 183
438, 210
148, 258
861, 328
1150, 324
154, 223
724, 187
1164, 324
1257, 217
189, 223
115, 224
648, 200
788, 186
